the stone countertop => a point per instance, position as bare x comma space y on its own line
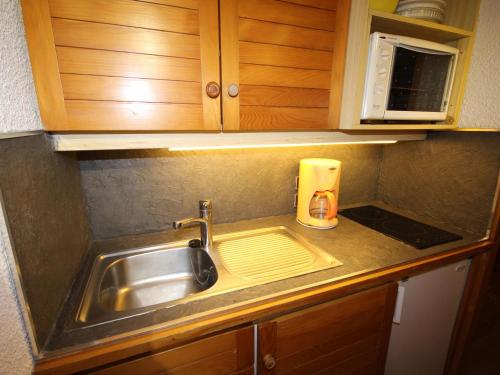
359, 248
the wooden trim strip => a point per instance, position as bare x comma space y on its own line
264, 75
130, 65
230, 63
103, 115
281, 56
321, 4
338, 66
210, 63
74, 33
187, 4
273, 96
44, 63
475, 288
287, 14
275, 118
128, 13
119, 89
230, 317
285, 35
388, 315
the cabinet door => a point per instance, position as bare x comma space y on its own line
346, 336
227, 353
287, 57
119, 65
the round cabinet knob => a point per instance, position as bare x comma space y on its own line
269, 362
233, 90
213, 89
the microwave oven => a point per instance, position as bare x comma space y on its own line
408, 79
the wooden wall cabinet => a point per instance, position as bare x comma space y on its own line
347, 336
158, 65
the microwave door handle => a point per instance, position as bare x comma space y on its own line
425, 50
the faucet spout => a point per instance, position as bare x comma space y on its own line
205, 222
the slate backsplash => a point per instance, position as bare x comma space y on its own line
45, 213
143, 191
451, 177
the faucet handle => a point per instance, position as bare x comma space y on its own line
205, 205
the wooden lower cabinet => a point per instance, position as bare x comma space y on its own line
225, 353
346, 336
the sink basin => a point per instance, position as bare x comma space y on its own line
156, 277
136, 281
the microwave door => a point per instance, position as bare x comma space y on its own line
420, 84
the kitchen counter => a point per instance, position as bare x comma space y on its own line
360, 249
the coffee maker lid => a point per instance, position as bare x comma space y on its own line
321, 162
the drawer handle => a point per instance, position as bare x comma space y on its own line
269, 362
213, 89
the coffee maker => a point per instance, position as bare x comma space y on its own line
318, 193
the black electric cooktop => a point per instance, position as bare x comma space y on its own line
409, 231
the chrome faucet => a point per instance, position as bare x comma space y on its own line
205, 221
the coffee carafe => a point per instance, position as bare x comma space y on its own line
318, 192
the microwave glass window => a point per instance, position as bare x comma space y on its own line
418, 81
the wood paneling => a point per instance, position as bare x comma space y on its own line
190, 4
88, 87
225, 353
44, 63
283, 96
122, 64
268, 54
274, 118
285, 35
286, 77
287, 13
347, 335
276, 50
128, 13
324, 4
126, 65
97, 116
300, 362
123, 38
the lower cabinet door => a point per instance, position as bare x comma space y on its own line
226, 353
346, 336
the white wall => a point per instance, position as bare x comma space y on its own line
15, 353
18, 113
18, 105
480, 108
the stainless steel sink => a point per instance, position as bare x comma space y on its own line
133, 280
137, 281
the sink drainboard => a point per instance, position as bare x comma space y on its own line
267, 255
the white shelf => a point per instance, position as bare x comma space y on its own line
90, 142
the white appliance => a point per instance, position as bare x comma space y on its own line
426, 309
317, 202
408, 79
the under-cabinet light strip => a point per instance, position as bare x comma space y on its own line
263, 145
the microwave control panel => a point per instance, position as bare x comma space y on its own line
380, 57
